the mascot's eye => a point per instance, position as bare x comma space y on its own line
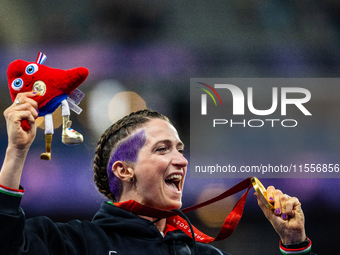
17, 84
31, 68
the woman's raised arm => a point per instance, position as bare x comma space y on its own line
19, 140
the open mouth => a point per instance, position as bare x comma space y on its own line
173, 181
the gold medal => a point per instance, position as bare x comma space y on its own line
261, 192
40, 87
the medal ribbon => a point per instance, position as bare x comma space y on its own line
176, 222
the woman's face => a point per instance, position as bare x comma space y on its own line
161, 167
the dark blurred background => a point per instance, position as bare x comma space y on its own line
143, 53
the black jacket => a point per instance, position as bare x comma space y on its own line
112, 231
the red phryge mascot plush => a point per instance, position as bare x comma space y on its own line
55, 86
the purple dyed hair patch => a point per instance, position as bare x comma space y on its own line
126, 151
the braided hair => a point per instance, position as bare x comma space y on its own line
109, 141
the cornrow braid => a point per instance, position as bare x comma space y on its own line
110, 139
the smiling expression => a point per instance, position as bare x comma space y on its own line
161, 167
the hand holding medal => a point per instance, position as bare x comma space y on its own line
283, 212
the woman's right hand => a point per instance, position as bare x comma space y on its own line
19, 139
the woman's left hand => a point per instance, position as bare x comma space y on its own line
287, 217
